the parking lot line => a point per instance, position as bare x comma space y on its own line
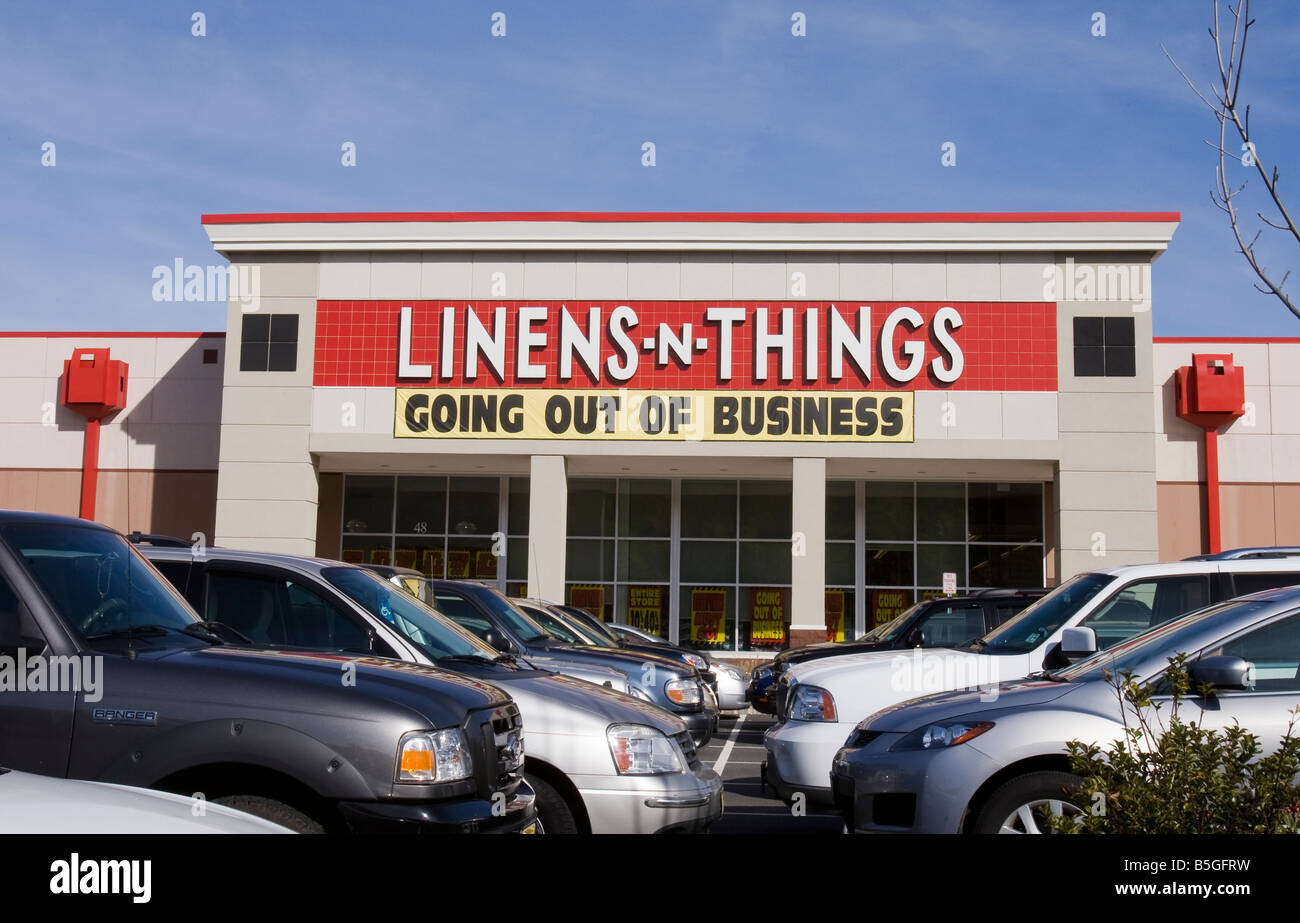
721, 764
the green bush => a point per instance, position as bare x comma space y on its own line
1178, 777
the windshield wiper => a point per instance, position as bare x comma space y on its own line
142, 631
465, 658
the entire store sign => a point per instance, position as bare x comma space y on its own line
677, 370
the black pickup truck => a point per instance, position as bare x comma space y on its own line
106, 674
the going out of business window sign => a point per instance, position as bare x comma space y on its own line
678, 370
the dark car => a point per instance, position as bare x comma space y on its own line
141, 691
939, 622
664, 681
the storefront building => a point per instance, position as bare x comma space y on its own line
739, 432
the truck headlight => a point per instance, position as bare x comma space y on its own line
683, 691
433, 756
811, 703
641, 751
938, 736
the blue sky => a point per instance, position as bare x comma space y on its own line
154, 126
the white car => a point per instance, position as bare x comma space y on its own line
821, 701
41, 804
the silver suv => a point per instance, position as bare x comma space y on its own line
599, 761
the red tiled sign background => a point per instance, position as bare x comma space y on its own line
1007, 346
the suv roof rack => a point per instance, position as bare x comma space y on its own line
158, 541
1247, 554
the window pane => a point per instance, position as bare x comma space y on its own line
1006, 565
933, 561
589, 559
1005, 512
765, 509
591, 507
423, 553
421, 505
282, 357
839, 564
597, 599
946, 625
1089, 361
1121, 361
645, 508
358, 549
709, 509
889, 511
517, 559
703, 562
764, 618
252, 356
473, 505
643, 560
886, 605
708, 617
646, 608
839, 510
889, 565
839, 615
470, 558
1119, 331
367, 504
1088, 331
517, 518
284, 328
941, 512
764, 562
255, 326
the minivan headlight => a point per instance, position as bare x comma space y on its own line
433, 756
683, 691
811, 703
938, 736
695, 660
639, 750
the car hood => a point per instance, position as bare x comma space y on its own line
942, 706
610, 657
440, 696
38, 804
865, 683
553, 704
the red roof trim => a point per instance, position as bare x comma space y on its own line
752, 217
116, 335
1225, 339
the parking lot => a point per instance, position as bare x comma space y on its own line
736, 753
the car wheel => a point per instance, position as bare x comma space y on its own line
552, 810
277, 812
1024, 804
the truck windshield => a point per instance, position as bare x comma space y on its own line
1035, 625
99, 584
893, 628
438, 636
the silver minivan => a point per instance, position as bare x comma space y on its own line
599, 760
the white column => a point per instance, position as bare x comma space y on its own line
548, 518
808, 570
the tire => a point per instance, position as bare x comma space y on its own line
1018, 806
552, 809
277, 812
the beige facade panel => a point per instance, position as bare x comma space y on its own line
759, 276
707, 276
342, 275
548, 511
974, 277
1112, 531
808, 546
252, 405
392, 276
1286, 506
919, 277
1116, 452
1182, 520
653, 277
285, 521
1105, 412
294, 275
446, 276
269, 481
263, 443
497, 275
597, 277
1029, 415
1284, 365
867, 276
1107, 490
549, 275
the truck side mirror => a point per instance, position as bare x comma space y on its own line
1222, 672
1078, 643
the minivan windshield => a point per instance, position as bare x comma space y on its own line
438, 636
99, 584
1035, 624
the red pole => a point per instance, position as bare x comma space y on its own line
90, 470
1212, 487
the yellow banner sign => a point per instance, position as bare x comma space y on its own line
834, 615
709, 616
645, 609
683, 416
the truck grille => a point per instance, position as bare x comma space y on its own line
688, 748
499, 760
